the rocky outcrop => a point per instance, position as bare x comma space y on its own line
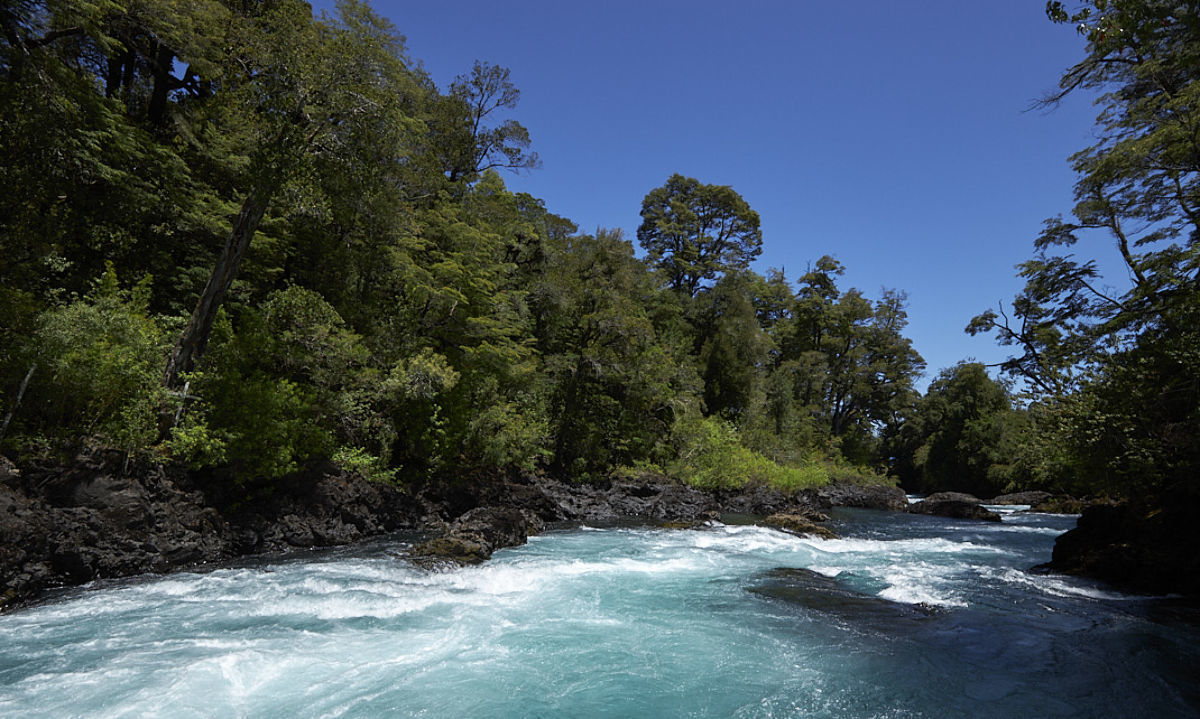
646, 496
1031, 498
98, 519
1060, 504
474, 536
955, 505
866, 496
761, 500
1137, 547
798, 524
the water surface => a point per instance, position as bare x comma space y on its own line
906, 616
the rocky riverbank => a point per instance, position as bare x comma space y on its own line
99, 519
1141, 547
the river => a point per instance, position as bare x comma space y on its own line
905, 616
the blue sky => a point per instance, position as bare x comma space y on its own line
894, 136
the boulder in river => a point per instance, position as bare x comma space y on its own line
798, 524
1031, 498
955, 505
1137, 547
474, 536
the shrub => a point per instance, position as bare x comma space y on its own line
100, 361
711, 456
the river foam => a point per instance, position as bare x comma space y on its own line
720, 621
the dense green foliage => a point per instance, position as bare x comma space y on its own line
964, 435
239, 235
1113, 373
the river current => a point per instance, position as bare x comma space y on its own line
904, 616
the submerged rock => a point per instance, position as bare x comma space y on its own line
797, 524
827, 595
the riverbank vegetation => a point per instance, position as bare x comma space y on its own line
241, 236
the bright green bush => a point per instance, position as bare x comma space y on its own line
711, 456
100, 360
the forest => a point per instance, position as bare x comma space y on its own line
239, 235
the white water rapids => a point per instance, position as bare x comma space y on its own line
907, 616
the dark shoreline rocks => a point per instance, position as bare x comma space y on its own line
1139, 547
100, 519
864, 496
1061, 504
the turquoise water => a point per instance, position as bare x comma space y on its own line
907, 616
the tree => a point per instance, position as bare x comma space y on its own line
695, 232
297, 88
963, 436
1104, 363
466, 133
615, 388
735, 351
858, 366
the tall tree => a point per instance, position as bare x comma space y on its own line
964, 435
296, 88
470, 134
1106, 363
614, 386
735, 351
1139, 185
695, 232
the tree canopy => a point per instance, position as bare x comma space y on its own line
247, 237
695, 232
1113, 370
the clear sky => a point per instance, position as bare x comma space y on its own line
892, 135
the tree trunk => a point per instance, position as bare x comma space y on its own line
194, 338
164, 82
17, 401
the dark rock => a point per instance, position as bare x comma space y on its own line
647, 496
1149, 549
866, 496
473, 537
495, 527
797, 524
449, 550
941, 505
67, 525
1031, 498
826, 595
1060, 504
953, 497
763, 500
